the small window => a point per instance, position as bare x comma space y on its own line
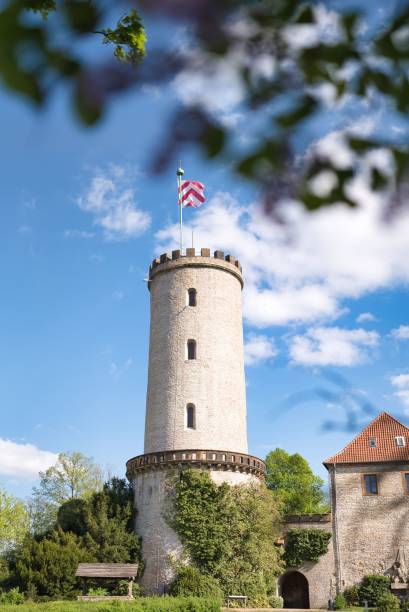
190, 416
191, 297
400, 441
372, 442
406, 478
191, 349
371, 484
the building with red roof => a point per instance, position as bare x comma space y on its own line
369, 521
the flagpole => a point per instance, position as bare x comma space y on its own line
179, 173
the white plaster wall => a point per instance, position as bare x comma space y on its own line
214, 382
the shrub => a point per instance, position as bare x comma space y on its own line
121, 588
388, 603
12, 597
340, 602
191, 582
97, 592
228, 532
305, 545
275, 601
404, 606
351, 596
372, 587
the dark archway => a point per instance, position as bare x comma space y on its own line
295, 591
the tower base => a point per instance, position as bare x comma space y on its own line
151, 476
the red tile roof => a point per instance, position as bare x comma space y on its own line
384, 429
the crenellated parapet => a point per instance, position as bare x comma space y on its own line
199, 259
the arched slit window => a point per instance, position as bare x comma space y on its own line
190, 416
191, 349
191, 297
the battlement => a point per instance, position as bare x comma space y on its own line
192, 258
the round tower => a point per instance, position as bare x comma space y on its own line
196, 404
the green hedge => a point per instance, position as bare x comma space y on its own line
143, 604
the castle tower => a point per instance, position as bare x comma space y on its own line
196, 404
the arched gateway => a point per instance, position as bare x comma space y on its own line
294, 590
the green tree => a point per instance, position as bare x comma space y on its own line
73, 476
48, 565
228, 532
105, 522
294, 484
14, 521
98, 528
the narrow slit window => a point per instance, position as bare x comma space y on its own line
191, 297
371, 484
190, 416
372, 442
191, 349
406, 482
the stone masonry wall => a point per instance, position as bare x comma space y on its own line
214, 381
320, 575
369, 528
161, 546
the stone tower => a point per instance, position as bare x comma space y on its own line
196, 404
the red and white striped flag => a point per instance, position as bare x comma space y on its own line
191, 194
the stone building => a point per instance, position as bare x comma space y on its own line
369, 521
196, 403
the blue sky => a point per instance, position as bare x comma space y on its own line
325, 303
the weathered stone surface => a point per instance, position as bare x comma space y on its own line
161, 546
369, 529
214, 381
320, 575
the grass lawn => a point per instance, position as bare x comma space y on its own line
143, 604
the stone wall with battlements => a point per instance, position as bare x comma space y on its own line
369, 529
214, 381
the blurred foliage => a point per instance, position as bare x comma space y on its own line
40, 46
281, 73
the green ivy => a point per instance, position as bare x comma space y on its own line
305, 545
228, 532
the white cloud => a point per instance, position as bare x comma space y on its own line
401, 383
259, 348
324, 346
400, 380
403, 396
365, 317
111, 200
303, 270
401, 332
23, 460
74, 233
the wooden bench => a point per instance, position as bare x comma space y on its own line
107, 571
240, 598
